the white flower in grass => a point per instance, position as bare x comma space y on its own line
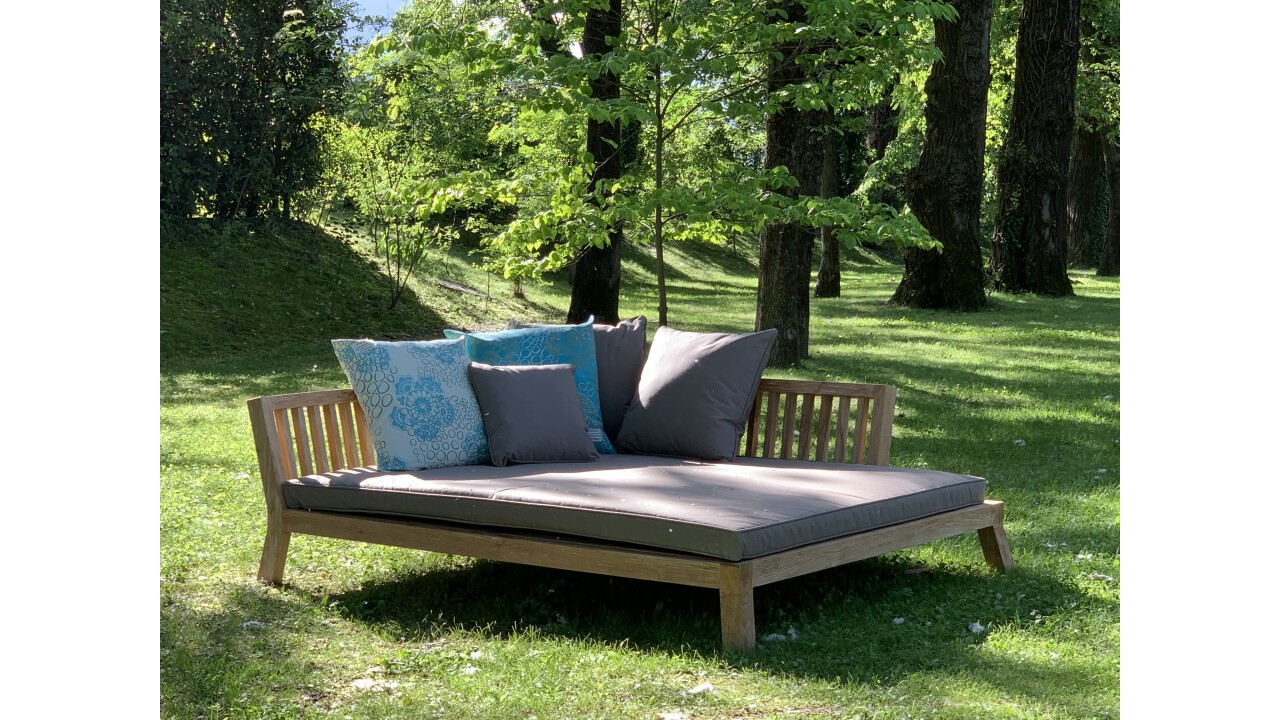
1084, 556
899, 621
477, 655
975, 627
703, 688
1100, 576
1020, 442
1108, 397
470, 670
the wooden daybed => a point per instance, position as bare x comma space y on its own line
315, 444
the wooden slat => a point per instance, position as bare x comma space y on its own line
820, 387
788, 425
771, 425
824, 428
300, 442
842, 429
882, 425
366, 445
317, 439
349, 434
860, 438
285, 437
511, 547
806, 427
333, 434
753, 428
320, 397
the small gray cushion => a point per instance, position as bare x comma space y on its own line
531, 413
619, 360
695, 393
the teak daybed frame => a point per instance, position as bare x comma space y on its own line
317, 432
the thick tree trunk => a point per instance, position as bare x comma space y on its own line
1084, 189
827, 283
597, 276
1109, 258
882, 124
945, 187
793, 138
1029, 247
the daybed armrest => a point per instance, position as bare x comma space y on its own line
840, 422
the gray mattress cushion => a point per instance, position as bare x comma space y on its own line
731, 511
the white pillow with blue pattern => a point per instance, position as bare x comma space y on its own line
418, 401
551, 345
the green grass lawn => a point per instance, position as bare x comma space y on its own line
1025, 393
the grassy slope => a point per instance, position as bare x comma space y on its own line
450, 637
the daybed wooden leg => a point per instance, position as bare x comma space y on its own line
274, 551
737, 606
995, 547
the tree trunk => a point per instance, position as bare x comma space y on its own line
1029, 247
828, 281
882, 124
1084, 188
793, 138
597, 276
1109, 258
945, 187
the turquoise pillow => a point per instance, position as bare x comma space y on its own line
572, 344
418, 401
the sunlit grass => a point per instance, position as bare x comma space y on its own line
372, 632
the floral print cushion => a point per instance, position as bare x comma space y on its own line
421, 410
553, 345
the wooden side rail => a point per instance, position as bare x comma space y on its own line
326, 431
822, 421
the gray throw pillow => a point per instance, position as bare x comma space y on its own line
531, 413
619, 360
695, 393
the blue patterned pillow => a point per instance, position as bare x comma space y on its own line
572, 344
421, 410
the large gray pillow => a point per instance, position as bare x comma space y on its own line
531, 413
695, 393
619, 360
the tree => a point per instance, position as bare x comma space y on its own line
412, 122
240, 85
1097, 124
597, 273
1085, 191
827, 283
945, 187
1109, 258
1029, 246
793, 140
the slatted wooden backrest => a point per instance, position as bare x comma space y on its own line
822, 421
309, 433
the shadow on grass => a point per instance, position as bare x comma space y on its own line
843, 618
